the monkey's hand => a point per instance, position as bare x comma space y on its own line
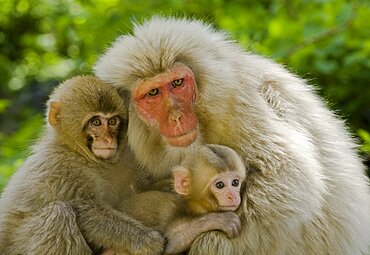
109, 252
227, 222
182, 233
214, 242
150, 244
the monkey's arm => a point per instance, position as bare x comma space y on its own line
153, 208
181, 233
148, 183
112, 229
49, 230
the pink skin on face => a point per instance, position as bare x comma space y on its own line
226, 188
166, 101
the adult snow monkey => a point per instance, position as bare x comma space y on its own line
191, 85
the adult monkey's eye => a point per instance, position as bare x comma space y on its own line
220, 185
96, 122
153, 92
177, 83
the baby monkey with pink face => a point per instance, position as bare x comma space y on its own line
210, 181
207, 187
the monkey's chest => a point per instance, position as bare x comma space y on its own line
106, 193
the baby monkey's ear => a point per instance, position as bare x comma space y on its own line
54, 112
181, 180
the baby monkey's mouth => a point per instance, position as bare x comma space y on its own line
105, 153
228, 208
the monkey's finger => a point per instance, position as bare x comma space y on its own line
235, 230
234, 219
230, 230
235, 226
239, 226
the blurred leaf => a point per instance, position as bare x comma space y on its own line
365, 136
4, 104
15, 148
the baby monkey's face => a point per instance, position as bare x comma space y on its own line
103, 135
226, 189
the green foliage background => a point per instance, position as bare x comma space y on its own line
44, 42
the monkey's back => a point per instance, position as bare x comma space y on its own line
52, 173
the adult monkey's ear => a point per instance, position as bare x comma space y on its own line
54, 112
181, 180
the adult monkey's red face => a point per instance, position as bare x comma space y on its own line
167, 101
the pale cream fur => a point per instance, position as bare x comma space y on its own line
307, 192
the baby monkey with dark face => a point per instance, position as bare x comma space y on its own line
63, 199
207, 186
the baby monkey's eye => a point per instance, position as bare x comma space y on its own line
96, 122
177, 83
220, 185
113, 121
235, 183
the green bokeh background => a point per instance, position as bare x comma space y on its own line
45, 42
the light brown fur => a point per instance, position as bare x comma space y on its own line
64, 198
184, 217
308, 193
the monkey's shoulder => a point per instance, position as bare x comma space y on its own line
54, 174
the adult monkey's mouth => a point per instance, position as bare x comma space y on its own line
183, 140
